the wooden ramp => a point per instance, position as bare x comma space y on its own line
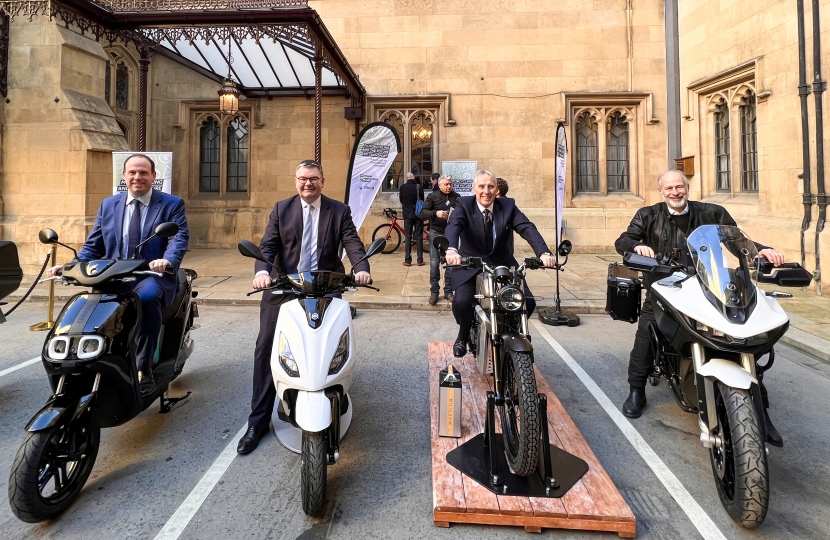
593, 504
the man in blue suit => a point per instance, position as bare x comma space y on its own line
123, 222
484, 225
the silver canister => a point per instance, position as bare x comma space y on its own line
449, 404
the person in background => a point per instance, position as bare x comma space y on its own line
436, 212
435, 179
501, 185
410, 193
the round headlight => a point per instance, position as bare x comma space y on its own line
511, 298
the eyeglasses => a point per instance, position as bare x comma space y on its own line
311, 179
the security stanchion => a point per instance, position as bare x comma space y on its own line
50, 308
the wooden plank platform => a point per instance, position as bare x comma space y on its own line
593, 504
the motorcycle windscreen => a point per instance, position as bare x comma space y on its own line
724, 260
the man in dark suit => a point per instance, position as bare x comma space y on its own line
304, 233
123, 222
410, 193
484, 226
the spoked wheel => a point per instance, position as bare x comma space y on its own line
392, 236
520, 422
314, 472
739, 459
50, 469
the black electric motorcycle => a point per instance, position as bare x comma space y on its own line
89, 357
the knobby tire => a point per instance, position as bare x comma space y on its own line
523, 456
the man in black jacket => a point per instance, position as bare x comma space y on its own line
410, 193
436, 211
482, 226
662, 229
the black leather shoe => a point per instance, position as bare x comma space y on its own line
773, 437
459, 349
433, 299
146, 383
249, 441
633, 406
449, 297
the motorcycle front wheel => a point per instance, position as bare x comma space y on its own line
50, 469
392, 236
520, 422
313, 476
739, 461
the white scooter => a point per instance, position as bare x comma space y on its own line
707, 335
313, 365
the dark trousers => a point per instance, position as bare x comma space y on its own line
150, 294
642, 357
435, 268
413, 228
463, 306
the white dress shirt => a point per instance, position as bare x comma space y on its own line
315, 229
674, 212
129, 208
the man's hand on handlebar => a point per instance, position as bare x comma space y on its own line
645, 251
54, 271
548, 260
262, 281
362, 278
453, 258
773, 256
159, 265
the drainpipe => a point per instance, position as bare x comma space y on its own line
803, 92
818, 88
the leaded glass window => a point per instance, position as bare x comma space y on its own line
617, 153
724, 182
587, 156
421, 157
237, 155
107, 83
394, 177
749, 145
122, 87
210, 144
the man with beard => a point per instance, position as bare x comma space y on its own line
663, 228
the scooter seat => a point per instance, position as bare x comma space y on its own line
167, 312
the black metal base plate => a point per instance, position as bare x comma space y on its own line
557, 318
471, 459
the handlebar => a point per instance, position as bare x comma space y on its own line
391, 213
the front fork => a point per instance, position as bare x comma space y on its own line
333, 432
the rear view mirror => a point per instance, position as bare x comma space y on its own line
376, 247
167, 230
48, 236
787, 275
441, 244
249, 249
565, 248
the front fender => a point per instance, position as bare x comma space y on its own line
516, 342
729, 373
57, 408
312, 411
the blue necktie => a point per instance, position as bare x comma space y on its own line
135, 228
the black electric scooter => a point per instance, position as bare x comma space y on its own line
89, 357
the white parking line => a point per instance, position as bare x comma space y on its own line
702, 522
19, 366
182, 516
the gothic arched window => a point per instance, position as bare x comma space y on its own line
722, 152
209, 154
238, 155
619, 172
749, 144
587, 158
122, 87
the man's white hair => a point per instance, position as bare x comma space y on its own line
678, 173
444, 177
485, 172
409, 176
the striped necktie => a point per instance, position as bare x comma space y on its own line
306, 249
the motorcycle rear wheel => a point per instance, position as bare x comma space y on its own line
520, 422
313, 477
392, 236
739, 465
43, 481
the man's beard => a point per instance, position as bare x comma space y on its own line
675, 204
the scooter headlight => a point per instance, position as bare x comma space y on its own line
289, 365
90, 347
58, 348
341, 355
511, 298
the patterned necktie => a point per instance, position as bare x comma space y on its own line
135, 228
488, 230
306, 249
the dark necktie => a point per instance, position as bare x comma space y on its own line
135, 228
488, 230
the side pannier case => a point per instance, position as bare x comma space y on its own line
624, 293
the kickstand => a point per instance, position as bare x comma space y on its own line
167, 403
545, 465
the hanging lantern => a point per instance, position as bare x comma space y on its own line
229, 98
422, 134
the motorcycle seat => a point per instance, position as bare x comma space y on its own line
167, 312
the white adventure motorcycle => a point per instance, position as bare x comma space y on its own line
313, 365
712, 321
